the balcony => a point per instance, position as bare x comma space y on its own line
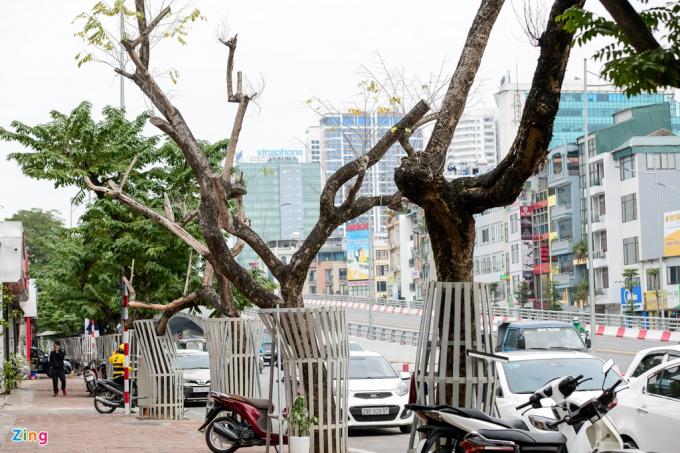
599, 259
561, 210
561, 246
599, 222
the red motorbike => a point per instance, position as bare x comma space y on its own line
244, 423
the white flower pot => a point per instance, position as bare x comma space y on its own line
298, 444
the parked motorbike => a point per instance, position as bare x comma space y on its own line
109, 395
242, 423
575, 428
92, 372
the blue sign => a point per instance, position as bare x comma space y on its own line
635, 295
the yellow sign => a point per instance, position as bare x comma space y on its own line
652, 300
671, 233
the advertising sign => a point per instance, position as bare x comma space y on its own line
635, 295
673, 297
357, 254
671, 233
525, 222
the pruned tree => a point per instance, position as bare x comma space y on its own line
218, 186
450, 206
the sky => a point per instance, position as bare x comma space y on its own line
300, 49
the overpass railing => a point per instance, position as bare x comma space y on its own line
365, 300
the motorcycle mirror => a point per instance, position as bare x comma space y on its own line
608, 365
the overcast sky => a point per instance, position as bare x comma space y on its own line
300, 48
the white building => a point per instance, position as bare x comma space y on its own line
313, 144
401, 279
473, 147
491, 251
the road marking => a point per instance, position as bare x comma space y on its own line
616, 351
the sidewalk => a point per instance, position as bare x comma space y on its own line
73, 425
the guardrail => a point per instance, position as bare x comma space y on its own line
636, 322
380, 333
366, 300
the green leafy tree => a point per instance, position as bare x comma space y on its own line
581, 292
40, 227
630, 280
643, 48
554, 296
522, 293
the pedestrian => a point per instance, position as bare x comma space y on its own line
56, 364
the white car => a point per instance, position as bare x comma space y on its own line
527, 371
648, 411
377, 393
195, 367
649, 358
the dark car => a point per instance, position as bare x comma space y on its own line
41, 362
538, 335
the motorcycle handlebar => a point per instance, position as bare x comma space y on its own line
522, 406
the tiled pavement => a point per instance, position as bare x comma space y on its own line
73, 425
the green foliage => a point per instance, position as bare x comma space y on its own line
11, 373
630, 280
580, 250
298, 418
554, 297
522, 293
38, 227
7, 305
581, 291
627, 68
78, 269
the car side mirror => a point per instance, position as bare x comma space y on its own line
521, 344
405, 375
589, 343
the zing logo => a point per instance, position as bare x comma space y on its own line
22, 435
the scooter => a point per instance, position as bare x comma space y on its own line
244, 423
109, 395
91, 374
575, 428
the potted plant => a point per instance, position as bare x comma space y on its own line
299, 422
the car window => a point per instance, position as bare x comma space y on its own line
648, 362
511, 339
673, 355
194, 362
666, 383
370, 367
553, 338
354, 346
527, 376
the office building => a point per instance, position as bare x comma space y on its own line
473, 147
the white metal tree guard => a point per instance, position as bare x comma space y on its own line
315, 359
452, 308
233, 346
159, 376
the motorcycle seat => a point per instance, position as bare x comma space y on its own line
255, 402
524, 438
513, 423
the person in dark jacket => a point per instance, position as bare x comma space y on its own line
56, 363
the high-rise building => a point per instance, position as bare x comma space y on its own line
473, 147
313, 144
282, 201
344, 137
603, 102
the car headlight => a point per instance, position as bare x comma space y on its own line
402, 388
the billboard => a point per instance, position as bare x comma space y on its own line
635, 295
358, 254
673, 293
671, 233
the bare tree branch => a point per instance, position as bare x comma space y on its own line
150, 214
461, 82
632, 25
167, 207
403, 140
186, 280
127, 171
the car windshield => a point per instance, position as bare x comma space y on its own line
354, 346
552, 338
194, 361
527, 376
373, 367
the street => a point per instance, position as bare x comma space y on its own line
621, 350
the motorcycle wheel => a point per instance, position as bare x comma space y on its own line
91, 386
217, 443
101, 407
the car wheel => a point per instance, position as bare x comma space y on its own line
216, 442
629, 443
405, 429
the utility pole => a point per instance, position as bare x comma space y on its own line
589, 225
122, 59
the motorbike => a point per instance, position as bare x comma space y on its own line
574, 428
91, 374
109, 395
242, 422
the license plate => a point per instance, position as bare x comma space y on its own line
89, 377
200, 389
375, 411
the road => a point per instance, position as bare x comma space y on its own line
621, 350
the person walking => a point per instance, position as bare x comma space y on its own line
56, 363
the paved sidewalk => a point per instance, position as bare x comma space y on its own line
73, 425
